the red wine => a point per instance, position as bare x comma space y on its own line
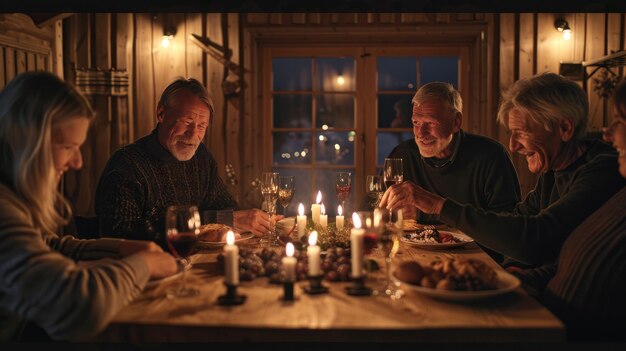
343, 192
181, 244
370, 241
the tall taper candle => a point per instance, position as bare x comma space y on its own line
324, 217
289, 264
356, 246
313, 253
339, 218
315, 208
231, 253
301, 221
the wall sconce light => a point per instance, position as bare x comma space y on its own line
168, 35
340, 79
562, 26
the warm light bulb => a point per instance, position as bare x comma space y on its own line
313, 238
165, 42
340, 80
567, 34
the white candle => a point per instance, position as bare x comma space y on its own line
289, 264
356, 246
324, 218
313, 252
339, 218
315, 208
301, 220
231, 260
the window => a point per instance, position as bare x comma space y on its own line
343, 109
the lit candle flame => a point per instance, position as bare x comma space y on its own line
313, 238
289, 250
323, 209
301, 210
319, 197
230, 237
356, 220
339, 210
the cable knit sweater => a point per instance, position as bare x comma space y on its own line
142, 179
71, 288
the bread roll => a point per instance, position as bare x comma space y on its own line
410, 272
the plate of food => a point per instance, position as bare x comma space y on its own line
213, 235
410, 225
456, 279
182, 265
433, 238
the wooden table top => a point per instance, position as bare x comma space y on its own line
336, 316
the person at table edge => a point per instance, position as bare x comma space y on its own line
170, 166
547, 116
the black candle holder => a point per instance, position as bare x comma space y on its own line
315, 286
288, 291
231, 298
358, 287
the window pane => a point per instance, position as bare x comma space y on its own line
439, 69
387, 141
397, 73
335, 74
326, 184
395, 111
292, 148
335, 111
292, 111
289, 74
334, 148
302, 193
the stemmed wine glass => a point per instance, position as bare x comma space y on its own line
374, 189
392, 171
343, 186
182, 225
285, 191
388, 238
269, 190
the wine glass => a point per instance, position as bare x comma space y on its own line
182, 225
285, 191
374, 189
343, 186
269, 190
392, 171
388, 238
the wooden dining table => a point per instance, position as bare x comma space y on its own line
336, 316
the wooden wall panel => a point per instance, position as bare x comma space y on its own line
596, 48
215, 75
3, 80
143, 78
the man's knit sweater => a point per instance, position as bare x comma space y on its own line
142, 179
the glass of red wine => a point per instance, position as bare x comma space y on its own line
343, 186
182, 225
392, 172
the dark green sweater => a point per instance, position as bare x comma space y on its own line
142, 179
534, 232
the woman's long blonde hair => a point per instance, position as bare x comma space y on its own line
31, 105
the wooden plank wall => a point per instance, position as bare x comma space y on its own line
531, 42
132, 42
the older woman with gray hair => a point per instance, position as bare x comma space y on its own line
547, 117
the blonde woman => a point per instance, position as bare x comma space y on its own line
70, 288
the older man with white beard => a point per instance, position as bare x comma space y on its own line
170, 166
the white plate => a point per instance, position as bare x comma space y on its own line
152, 283
506, 283
440, 246
213, 244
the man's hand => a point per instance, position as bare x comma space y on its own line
254, 220
408, 194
